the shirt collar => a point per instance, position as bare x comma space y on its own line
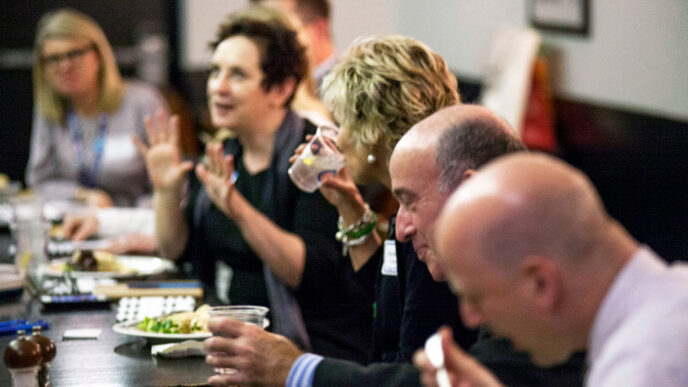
622, 298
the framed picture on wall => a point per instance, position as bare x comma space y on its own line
572, 16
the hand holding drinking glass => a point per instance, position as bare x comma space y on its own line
257, 357
319, 158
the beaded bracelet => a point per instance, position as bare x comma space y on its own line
356, 233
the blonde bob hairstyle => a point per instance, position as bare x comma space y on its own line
383, 86
72, 24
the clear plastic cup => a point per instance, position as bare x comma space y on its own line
30, 233
27, 208
29, 239
320, 157
249, 314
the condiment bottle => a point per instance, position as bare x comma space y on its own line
48, 351
23, 359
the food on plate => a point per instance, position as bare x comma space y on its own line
56, 232
182, 322
89, 260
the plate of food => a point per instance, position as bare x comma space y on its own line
101, 264
172, 327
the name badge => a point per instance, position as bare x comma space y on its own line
389, 261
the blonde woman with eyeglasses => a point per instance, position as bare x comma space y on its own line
85, 116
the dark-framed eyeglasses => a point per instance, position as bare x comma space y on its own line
73, 56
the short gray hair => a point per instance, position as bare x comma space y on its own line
471, 142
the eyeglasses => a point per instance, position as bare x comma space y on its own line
73, 56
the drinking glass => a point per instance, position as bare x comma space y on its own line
249, 314
30, 232
320, 157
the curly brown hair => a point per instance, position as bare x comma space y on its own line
283, 57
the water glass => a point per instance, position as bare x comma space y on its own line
29, 231
249, 314
320, 157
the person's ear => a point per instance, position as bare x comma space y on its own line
281, 93
542, 281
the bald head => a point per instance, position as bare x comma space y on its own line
523, 205
528, 244
461, 138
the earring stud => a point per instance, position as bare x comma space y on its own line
371, 159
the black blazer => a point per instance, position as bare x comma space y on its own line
335, 373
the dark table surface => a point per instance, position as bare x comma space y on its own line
110, 360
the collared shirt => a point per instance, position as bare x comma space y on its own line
303, 369
640, 333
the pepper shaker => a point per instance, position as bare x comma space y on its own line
48, 351
23, 358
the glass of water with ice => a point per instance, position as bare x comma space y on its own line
319, 158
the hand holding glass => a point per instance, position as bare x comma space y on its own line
320, 157
249, 314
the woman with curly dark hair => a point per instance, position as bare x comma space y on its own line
242, 212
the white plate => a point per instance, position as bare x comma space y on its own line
135, 266
129, 328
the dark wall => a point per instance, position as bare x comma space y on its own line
121, 20
636, 161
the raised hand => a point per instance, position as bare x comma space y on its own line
463, 370
163, 156
218, 177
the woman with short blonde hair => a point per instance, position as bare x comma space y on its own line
377, 92
383, 86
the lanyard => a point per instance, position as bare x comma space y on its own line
88, 177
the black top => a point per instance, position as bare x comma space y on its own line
411, 306
402, 327
335, 310
224, 242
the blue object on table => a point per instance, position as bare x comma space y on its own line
12, 326
164, 284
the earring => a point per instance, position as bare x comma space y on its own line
371, 159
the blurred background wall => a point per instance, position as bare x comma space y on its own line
620, 92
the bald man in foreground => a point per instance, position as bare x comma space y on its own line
535, 257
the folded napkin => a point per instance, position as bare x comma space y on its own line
183, 349
85, 333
